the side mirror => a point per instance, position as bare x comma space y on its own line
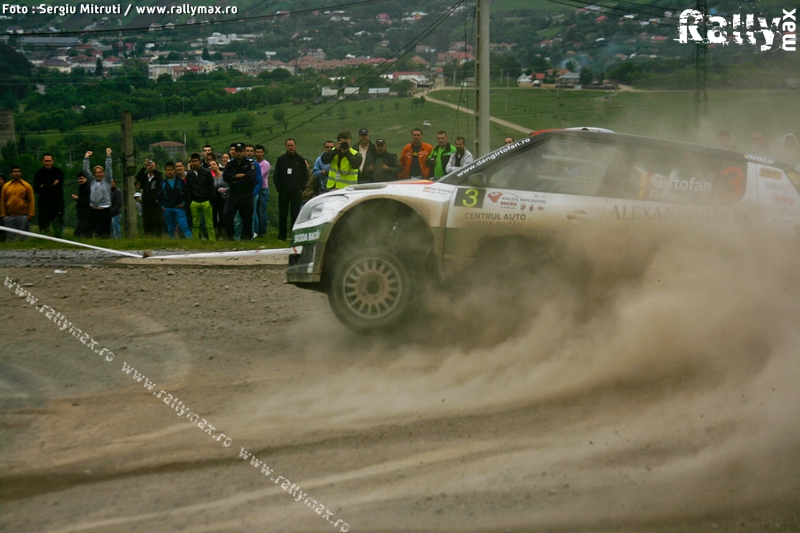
477, 179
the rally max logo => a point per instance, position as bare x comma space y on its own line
717, 29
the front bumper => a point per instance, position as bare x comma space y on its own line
306, 267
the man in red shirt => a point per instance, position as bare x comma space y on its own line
413, 157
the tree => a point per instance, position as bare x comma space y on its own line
242, 122
98, 68
422, 101
586, 76
206, 56
216, 129
203, 128
279, 115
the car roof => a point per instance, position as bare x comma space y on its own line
613, 137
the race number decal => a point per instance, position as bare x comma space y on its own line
469, 198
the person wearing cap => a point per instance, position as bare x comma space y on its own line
148, 181
382, 165
82, 204
99, 219
137, 196
413, 157
365, 148
461, 158
17, 205
290, 177
240, 174
440, 156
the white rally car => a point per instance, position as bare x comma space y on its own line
367, 246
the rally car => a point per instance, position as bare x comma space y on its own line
368, 246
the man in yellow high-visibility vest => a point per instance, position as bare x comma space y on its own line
344, 161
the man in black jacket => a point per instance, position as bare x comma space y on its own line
148, 180
116, 211
382, 165
201, 190
82, 204
291, 177
48, 183
240, 174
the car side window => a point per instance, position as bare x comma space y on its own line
669, 176
563, 166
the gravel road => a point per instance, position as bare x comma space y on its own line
668, 404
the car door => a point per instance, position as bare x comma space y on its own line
552, 183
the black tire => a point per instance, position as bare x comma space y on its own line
370, 290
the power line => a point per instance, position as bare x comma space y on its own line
383, 67
204, 23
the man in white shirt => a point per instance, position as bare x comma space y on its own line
461, 158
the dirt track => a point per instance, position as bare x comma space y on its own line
451, 427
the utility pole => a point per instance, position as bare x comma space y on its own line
701, 67
482, 111
128, 172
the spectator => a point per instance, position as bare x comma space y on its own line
226, 158
220, 192
725, 140
148, 180
48, 183
137, 197
365, 148
758, 145
82, 204
99, 219
17, 205
382, 165
788, 151
116, 211
413, 157
461, 158
320, 170
207, 152
174, 198
508, 140
240, 173
308, 192
200, 184
180, 173
440, 156
344, 161
249, 153
263, 195
291, 176
2, 233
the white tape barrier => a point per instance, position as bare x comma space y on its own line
47, 237
202, 255
241, 253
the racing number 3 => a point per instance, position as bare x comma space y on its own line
469, 198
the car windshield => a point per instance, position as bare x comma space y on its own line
565, 166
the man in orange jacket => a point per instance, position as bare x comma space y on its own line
413, 157
17, 204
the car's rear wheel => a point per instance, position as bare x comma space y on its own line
370, 290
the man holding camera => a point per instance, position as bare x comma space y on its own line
344, 161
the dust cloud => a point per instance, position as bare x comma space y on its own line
616, 376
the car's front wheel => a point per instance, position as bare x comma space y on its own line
370, 290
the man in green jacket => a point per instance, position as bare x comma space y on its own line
440, 155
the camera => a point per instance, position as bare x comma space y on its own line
344, 146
